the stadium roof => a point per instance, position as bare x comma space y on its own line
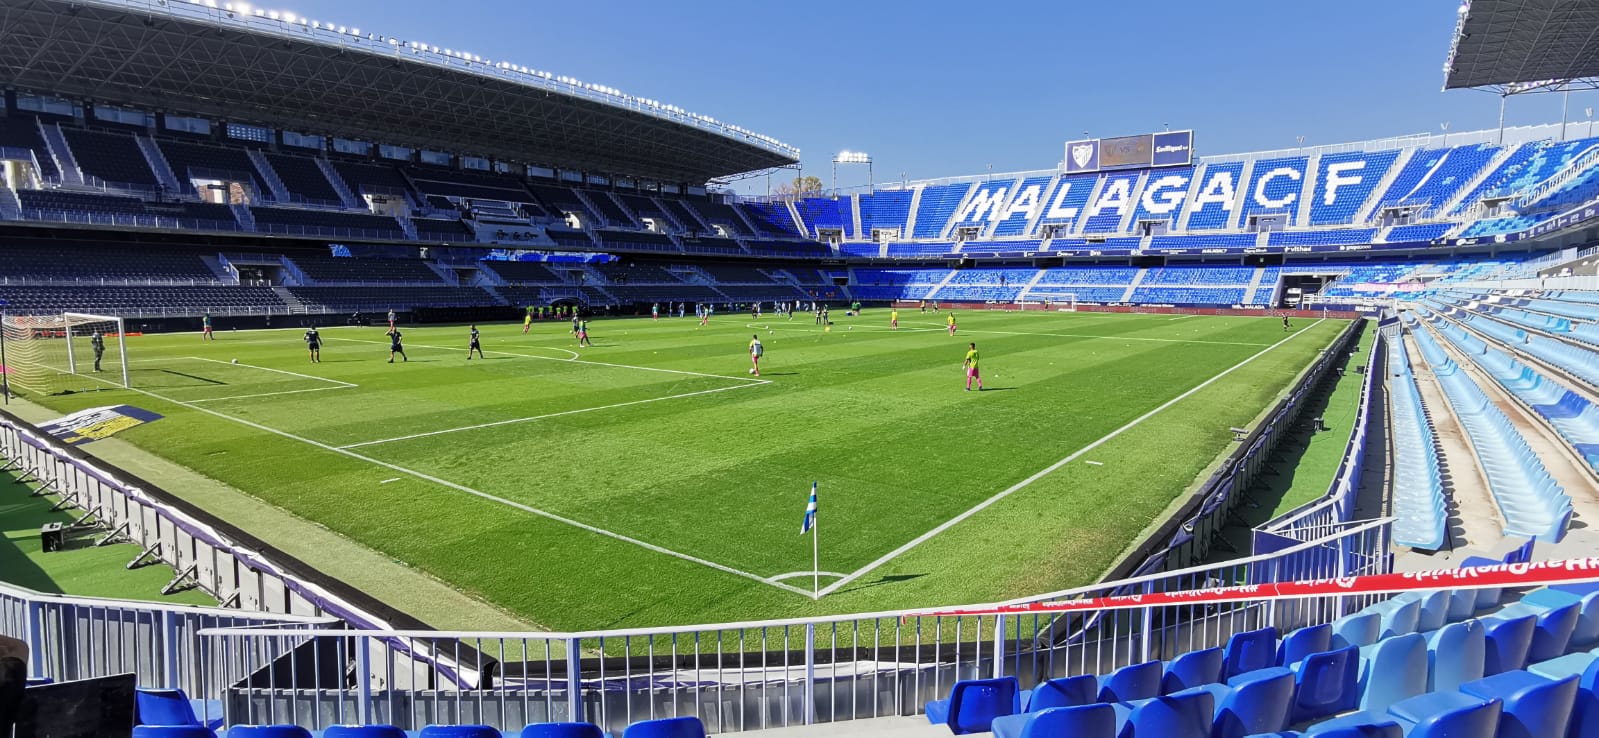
1514, 46
238, 62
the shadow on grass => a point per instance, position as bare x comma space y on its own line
880, 581
21, 516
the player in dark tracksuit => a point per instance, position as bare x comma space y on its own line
395, 347
474, 345
313, 343
97, 342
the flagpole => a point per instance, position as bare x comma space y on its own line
816, 558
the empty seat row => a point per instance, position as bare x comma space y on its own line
1419, 508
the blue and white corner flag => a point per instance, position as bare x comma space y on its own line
810, 512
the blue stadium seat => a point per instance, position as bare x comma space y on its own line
1553, 631
1250, 650
276, 731
562, 730
1359, 629
1186, 714
1535, 706
974, 703
1462, 604
1326, 684
1081, 721
1456, 654
1391, 670
1303, 642
362, 731
1509, 640
459, 731
1447, 715
678, 727
169, 707
1256, 702
1358, 725
1399, 616
1062, 692
173, 731
37, 682
1192, 669
1134, 682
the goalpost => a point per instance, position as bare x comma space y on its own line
54, 354
1065, 302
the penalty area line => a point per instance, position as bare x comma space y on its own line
1046, 471
474, 492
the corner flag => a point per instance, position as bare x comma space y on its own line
810, 512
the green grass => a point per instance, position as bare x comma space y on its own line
80, 569
720, 472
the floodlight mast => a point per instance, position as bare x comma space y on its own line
853, 157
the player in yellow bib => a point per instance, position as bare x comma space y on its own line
527, 321
893, 319
951, 322
971, 367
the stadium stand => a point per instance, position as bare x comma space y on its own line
834, 213
110, 157
356, 271
325, 223
937, 207
303, 178
21, 132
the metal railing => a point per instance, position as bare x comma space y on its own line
126, 220
750, 675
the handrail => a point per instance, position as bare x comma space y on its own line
1578, 165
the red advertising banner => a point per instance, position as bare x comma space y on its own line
1538, 573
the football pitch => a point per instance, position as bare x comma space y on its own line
651, 480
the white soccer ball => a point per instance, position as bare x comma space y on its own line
235, 361
752, 371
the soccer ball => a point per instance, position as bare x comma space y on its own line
235, 361
752, 371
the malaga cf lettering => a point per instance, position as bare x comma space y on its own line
1220, 190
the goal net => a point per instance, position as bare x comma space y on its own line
1065, 302
69, 352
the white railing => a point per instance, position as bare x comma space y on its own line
299, 28
126, 220
1578, 167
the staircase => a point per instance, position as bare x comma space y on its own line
1254, 284
949, 220
1236, 216
294, 305
670, 216
1043, 205
940, 285
1138, 279
10, 205
60, 153
494, 293
280, 192
855, 215
700, 223
910, 215
1580, 165
1307, 191
1369, 208
1031, 283
583, 196
1125, 225
445, 273
407, 226
1198, 181
744, 217
339, 186
224, 272
1470, 186
623, 206
157, 162
246, 218
1082, 215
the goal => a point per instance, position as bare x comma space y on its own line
67, 352
1065, 302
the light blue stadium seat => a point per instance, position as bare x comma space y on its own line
1509, 640
364, 731
1456, 654
173, 731
1255, 702
1359, 629
1553, 629
1391, 670
678, 727
1326, 684
282, 731
1192, 669
1303, 642
1399, 616
1462, 604
1434, 608
1086, 721
1134, 682
1535, 706
1358, 725
561, 730
1071, 691
1563, 666
1186, 714
973, 704
1447, 715
459, 731
1249, 650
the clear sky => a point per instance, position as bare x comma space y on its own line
941, 88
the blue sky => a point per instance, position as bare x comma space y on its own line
939, 88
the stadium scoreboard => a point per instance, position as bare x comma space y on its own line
1164, 149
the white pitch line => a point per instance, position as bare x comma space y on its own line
272, 394
979, 507
270, 369
575, 361
1110, 338
797, 574
468, 490
547, 416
